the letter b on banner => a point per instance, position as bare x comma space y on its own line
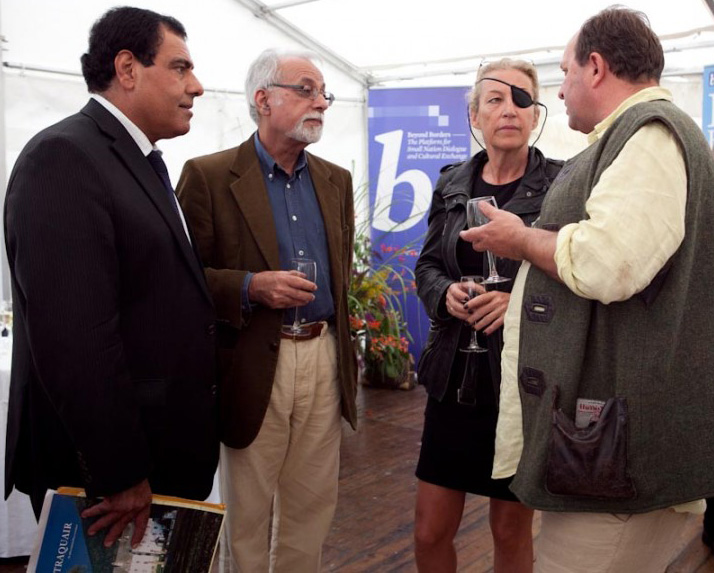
413, 133
387, 182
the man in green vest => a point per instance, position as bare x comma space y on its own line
607, 396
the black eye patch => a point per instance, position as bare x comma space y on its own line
521, 98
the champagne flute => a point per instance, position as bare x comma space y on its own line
470, 283
307, 267
475, 218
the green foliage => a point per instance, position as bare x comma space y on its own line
379, 285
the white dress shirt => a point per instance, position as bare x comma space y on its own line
141, 140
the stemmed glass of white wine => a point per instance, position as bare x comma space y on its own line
308, 268
475, 218
470, 283
6, 317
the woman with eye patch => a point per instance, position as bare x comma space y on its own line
460, 419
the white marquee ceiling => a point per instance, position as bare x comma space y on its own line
393, 40
378, 42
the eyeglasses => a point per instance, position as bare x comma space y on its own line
307, 92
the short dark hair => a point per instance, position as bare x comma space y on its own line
124, 28
624, 38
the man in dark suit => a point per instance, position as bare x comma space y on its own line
113, 355
254, 208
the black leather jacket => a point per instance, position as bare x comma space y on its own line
437, 266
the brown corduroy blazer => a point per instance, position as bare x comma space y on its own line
224, 198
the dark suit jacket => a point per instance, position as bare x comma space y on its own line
224, 197
113, 367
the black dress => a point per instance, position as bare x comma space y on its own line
458, 440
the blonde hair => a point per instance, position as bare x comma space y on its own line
503, 64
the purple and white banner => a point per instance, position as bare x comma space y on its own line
708, 105
413, 133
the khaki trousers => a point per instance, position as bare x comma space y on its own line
291, 467
608, 543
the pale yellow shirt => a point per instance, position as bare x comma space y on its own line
636, 223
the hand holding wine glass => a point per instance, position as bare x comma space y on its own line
475, 218
470, 283
308, 268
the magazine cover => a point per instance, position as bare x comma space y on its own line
181, 536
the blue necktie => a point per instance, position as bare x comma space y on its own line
160, 167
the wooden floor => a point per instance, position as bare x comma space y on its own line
373, 525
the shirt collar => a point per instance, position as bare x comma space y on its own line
642, 96
269, 164
136, 134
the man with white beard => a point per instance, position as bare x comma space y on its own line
253, 210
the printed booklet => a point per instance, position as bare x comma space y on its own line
181, 536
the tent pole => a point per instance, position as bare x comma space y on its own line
264, 12
709, 4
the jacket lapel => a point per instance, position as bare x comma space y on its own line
130, 155
252, 198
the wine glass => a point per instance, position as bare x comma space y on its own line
6, 317
307, 267
470, 283
475, 218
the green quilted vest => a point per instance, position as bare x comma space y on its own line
655, 350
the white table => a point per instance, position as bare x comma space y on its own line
17, 521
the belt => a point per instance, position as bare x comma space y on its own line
313, 330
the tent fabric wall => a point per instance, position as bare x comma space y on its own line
378, 37
34, 101
442, 44
561, 142
221, 120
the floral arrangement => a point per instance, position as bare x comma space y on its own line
377, 292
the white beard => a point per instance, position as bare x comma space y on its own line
307, 133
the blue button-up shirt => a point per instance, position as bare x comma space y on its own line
300, 229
